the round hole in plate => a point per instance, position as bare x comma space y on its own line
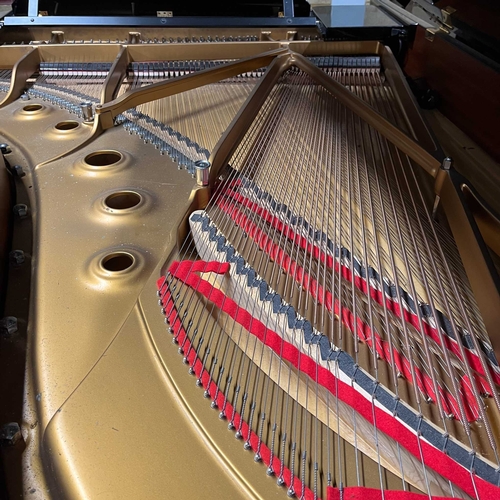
103, 158
117, 261
30, 108
67, 125
122, 200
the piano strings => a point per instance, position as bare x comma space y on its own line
314, 196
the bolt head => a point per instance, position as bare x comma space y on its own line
202, 164
17, 258
21, 210
10, 434
18, 170
4, 148
8, 326
447, 163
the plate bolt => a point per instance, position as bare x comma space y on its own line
10, 434
202, 169
17, 258
18, 171
447, 163
87, 112
21, 210
8, 326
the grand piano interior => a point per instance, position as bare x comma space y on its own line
235, 260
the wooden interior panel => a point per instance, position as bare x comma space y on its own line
468, 87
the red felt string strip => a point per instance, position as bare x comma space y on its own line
218, 396
431, 456
361, 493
363, 331
377, 295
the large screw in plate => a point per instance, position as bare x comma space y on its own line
17, 258
10, 434
202, 170
87, 112
8, 326
18, 171
21, 210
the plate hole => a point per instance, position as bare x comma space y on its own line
118, 261
30, 108
103, 158
122, 200
67, 125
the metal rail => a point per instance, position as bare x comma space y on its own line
288, 20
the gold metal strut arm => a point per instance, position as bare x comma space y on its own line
392, 133
22, 70
240, 124
106, 113
115, 76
